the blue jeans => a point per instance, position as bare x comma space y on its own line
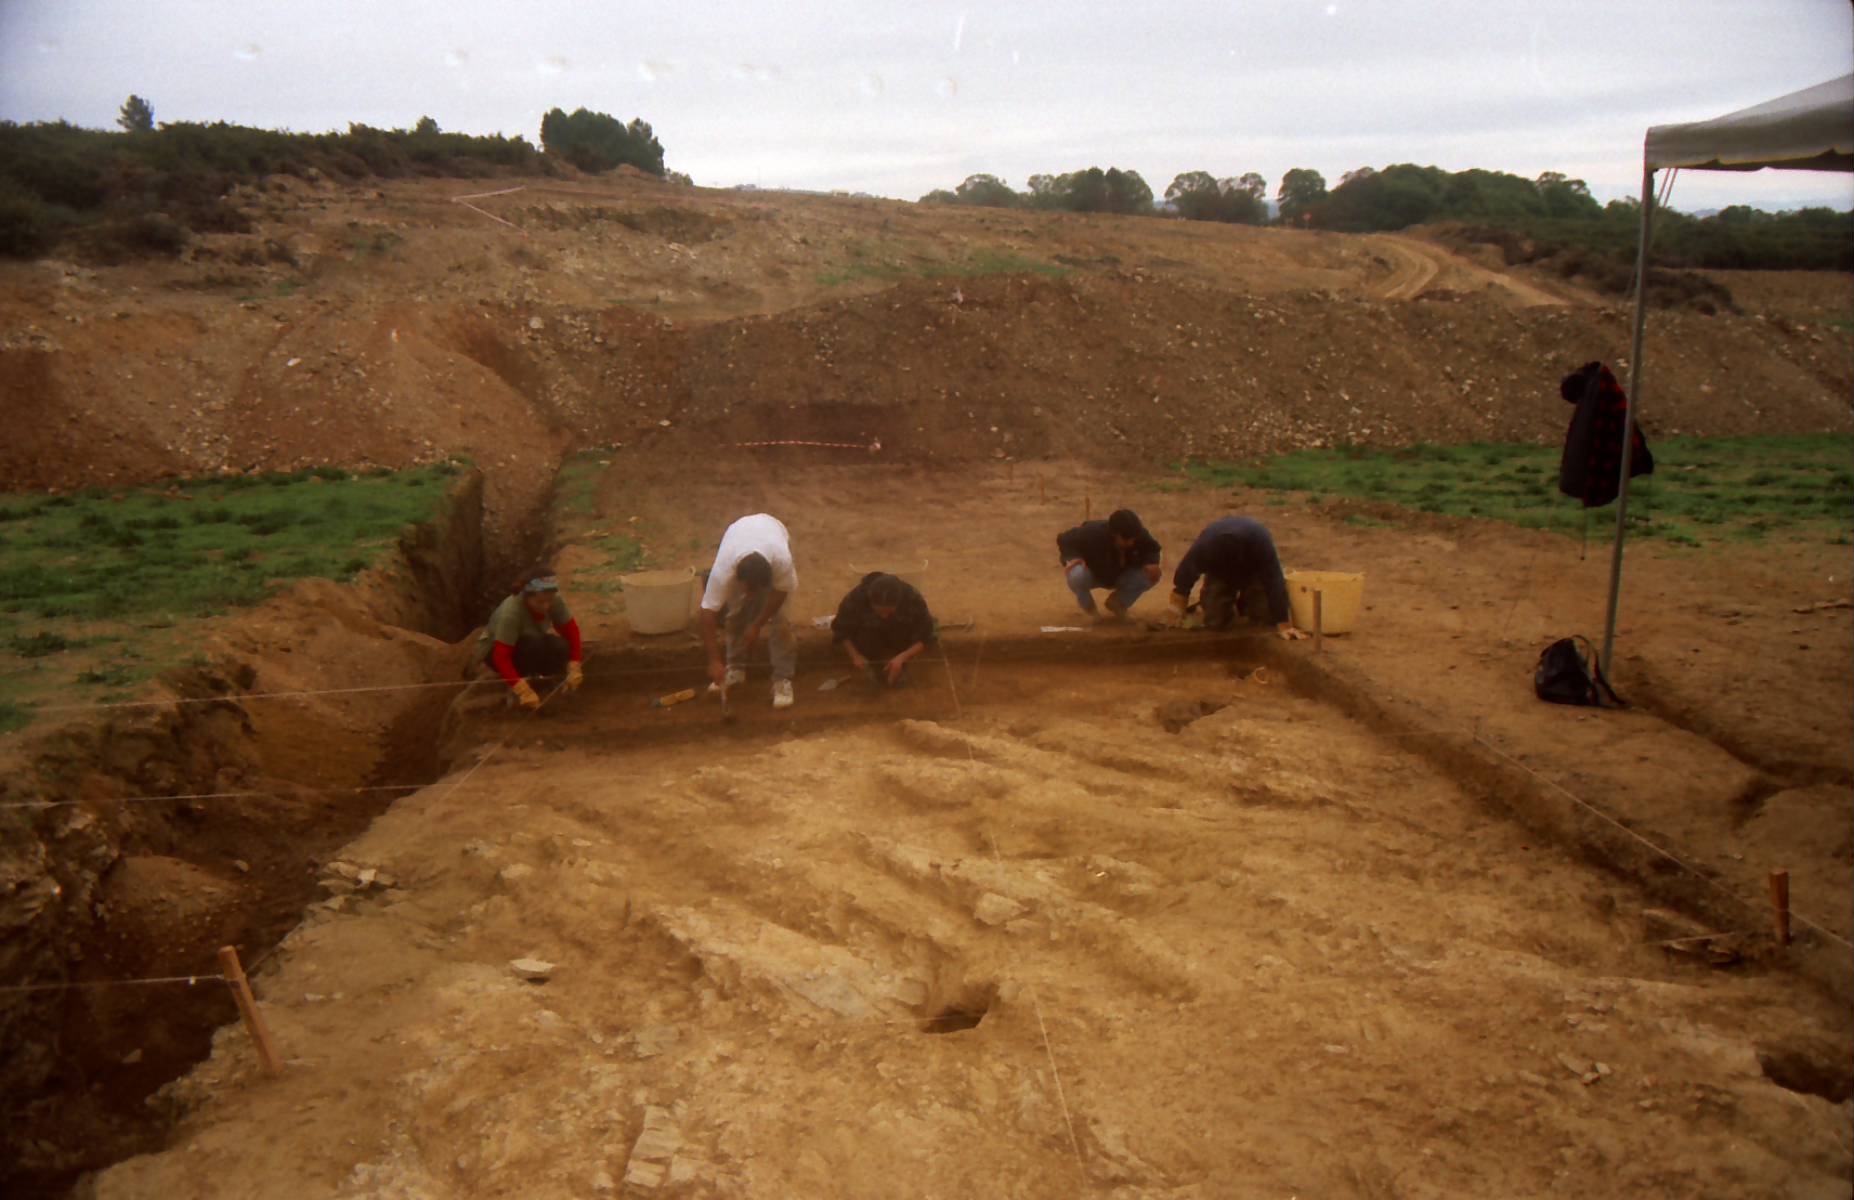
1131, 585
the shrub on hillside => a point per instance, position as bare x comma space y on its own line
594, 141
26, 227
59, 181
144, 234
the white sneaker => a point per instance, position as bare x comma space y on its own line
735, 677
782, 693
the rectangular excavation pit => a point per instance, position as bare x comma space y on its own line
965, 672
1274, 922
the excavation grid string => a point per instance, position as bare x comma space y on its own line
190, 980
242, 697
239, 795
1722, 889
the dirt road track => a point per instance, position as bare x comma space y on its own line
1419, 263
1413, 271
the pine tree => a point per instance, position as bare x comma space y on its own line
136, 116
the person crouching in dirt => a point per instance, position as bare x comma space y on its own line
882, 625
1117, 554
1242, 576
751, 580
532, 635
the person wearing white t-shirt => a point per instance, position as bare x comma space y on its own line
748, 587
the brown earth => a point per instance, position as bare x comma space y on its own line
1346, 918
393, 326
1036, 923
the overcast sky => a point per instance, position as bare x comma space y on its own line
897, 97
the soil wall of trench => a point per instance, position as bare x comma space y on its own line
135, 844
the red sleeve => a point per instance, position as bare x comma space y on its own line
570, 631
502, 658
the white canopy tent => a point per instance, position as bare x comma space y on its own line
1810, 130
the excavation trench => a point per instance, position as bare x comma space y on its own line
977, 674
187, 876
144, 841
1007, 867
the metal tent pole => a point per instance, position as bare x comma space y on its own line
1630, 420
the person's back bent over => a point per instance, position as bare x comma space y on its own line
1236, 558
882, 625
748, 587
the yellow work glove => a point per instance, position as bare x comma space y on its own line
525, 694
576, 675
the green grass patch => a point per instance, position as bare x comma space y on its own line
98, 588
13, 716
115, 675
1704, 490
40, 644
577, 516
576, 485
623, 553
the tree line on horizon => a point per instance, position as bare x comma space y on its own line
146, 188
1529, 219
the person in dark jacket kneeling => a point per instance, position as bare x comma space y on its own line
1117, 554
883, 625
1242, 576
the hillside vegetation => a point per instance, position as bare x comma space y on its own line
1556, 214
147, 189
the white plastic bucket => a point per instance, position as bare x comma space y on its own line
1342, 596
659, 601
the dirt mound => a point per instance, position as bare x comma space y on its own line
392, 326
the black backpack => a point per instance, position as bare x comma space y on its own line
1566, 675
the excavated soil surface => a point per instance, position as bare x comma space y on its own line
1037, 922
1035, 949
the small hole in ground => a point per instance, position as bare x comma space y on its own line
953, 1020
961, 1012
1175, 715
1813, 1066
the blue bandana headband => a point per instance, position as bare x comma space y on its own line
543, 583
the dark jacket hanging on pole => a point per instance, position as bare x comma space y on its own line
1593, 444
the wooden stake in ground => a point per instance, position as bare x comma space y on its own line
1780, 900
1087, 507
1319, 621
248, 1009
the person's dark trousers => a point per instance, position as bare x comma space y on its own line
1218, 605
544, 655
1252, 605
